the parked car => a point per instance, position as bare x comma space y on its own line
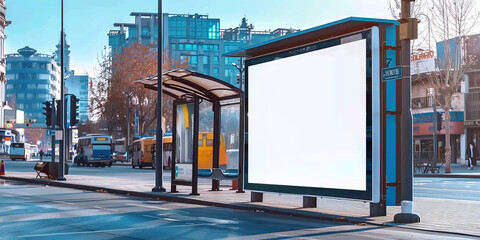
120, 156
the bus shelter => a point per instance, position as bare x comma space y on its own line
189, 89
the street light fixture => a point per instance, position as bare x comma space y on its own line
241, 70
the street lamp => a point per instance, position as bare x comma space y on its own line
129, 96
241, 70
159, 134
429, 27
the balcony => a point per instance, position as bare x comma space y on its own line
426, 102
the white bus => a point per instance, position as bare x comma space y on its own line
95, 151
20, 151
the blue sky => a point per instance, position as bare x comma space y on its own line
36, 23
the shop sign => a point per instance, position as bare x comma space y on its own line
472, 123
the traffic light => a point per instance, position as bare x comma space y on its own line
58, 113
238, 78
73, 110
439, 121
48, 113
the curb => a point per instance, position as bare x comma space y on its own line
239, 206
445, 175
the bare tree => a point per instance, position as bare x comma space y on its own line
452, 21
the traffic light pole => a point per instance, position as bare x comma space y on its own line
61, 166
53, 121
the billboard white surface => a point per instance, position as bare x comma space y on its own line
307, 119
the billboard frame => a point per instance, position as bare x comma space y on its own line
373, 183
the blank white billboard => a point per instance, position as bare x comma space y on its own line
307, 119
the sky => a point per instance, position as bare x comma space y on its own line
36, 23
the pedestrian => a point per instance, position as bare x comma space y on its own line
470, 155
41, 154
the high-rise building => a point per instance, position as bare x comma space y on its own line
76, 84
33, 78
194, 38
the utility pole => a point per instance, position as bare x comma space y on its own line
61, 167
159, 137
406, 153
435, 142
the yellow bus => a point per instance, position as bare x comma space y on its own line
144, 152
141, 151
205, 151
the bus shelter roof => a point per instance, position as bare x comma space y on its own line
179, 82
309, 36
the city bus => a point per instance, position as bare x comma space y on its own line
95, 151
141, 152
205, 152
20, 151
167, 152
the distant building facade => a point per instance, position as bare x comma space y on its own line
33, 78
3, 24
194, 38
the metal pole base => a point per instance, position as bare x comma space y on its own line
406, 218
309, 202
61, 179
159, 189
240, 191
256, 197
194, 194
378, 209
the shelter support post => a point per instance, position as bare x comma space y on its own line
256, 197
195, 147
217, 141
241, 148
309, 202
173, 186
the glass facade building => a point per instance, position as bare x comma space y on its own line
78, 86
33, 78
194, 38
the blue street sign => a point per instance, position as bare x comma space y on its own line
391, 73
50, 132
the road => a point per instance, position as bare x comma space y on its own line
38, 212
443, 188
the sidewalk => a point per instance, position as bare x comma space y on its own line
441, 215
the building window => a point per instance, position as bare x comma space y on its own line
132, 32
193, 60
215, 60
20, 95
205, 60
216, 72
30, 95
31, 85
188, 47
145, 31
9, 86
180, 47
174, 46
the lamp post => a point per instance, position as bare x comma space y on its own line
429, 28
129, 96
159, 135
63, 151
241, 70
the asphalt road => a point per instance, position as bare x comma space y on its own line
443, 188
38, 212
